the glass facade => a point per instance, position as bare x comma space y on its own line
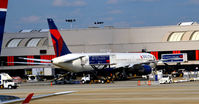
195, 36
14, 43
33, 42
176, 36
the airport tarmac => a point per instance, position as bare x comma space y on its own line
116, 93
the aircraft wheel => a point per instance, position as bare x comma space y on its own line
9, 87
102, 81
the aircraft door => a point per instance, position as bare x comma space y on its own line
112, 59
84, 61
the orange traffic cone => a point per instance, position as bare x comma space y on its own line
139, 83
149, 83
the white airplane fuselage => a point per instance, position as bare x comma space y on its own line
80, 62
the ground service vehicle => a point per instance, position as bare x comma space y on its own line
166, 79
92, 79
7, 82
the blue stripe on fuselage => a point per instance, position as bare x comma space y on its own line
2, 25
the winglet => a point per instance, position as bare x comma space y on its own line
57, 40
28, 98
3, 10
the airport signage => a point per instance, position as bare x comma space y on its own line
167, 58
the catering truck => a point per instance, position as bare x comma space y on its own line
7, 82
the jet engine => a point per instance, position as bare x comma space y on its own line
144, 70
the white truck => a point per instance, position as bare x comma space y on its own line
7, 82
86, 79
89, 78
166, 79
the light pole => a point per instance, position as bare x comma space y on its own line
71, 21
98, 23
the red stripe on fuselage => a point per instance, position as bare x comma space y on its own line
4, 4
57, 35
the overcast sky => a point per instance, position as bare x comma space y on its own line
32, 14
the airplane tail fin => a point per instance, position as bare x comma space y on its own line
57, 40
28, 98
3, 11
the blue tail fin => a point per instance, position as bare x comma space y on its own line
3, 11
58, 43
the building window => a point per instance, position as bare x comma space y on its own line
14, 42
195, 36
42, 52
176, 36
45, 42
191, 54
33, 42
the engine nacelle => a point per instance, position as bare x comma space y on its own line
144, 70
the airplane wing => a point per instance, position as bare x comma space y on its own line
43, 60
38, 61
46, 61
28, 98
31, 63
16, 100
74, 58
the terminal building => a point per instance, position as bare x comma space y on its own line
157, 40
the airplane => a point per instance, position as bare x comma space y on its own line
3, 11
139, 63
79, 62
6, 99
